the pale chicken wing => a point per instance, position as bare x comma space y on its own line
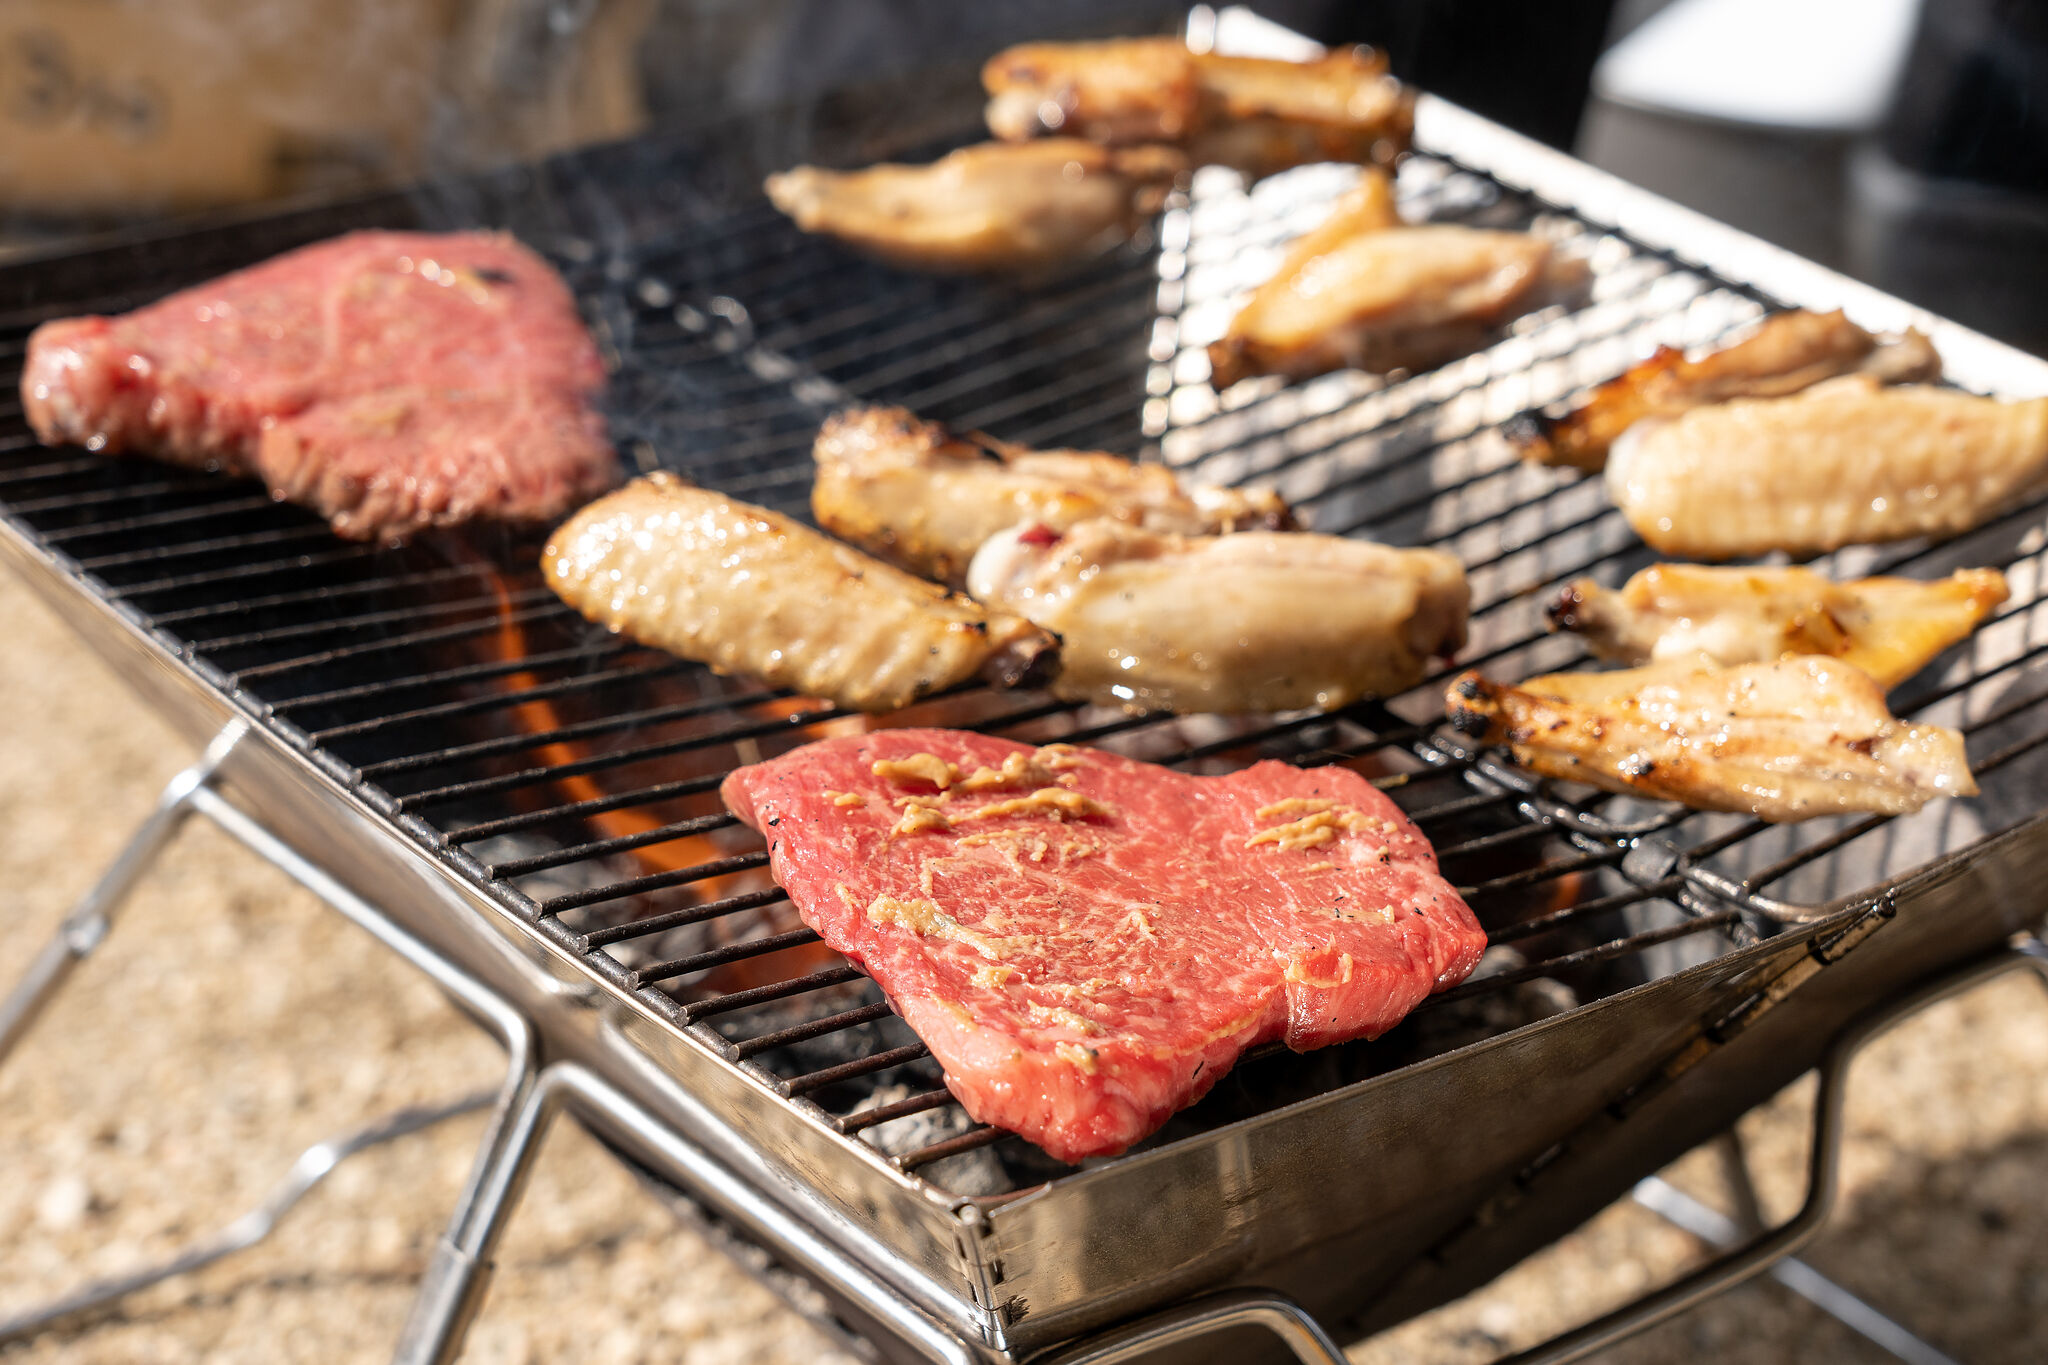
1843, 463
921, 497
1379, 298
1782, 741
1256, 114
1250, 622
1790, 351
1687, 613
747, 590
994, 206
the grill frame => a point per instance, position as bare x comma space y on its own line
975, 1263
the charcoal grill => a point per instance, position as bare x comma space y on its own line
526, 807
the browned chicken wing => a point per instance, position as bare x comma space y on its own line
1690, 614
747, 590
1120, 91
1256, 114
1364, 291
1782, 741
921, 497
994, 206
1790, 351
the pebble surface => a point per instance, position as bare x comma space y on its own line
230, 1020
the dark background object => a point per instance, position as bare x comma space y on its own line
1524, 65
1973, 102
1948, 206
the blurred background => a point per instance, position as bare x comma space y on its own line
1902, 141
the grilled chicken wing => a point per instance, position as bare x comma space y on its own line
1248, 622
991, 207
1782, 741
1265, 115
918, 496
1685, 613
749, 591
1843, 463
1120, 91
1791, 351
1362, 291
1256, 114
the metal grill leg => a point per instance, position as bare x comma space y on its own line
1280, 1315
453, 1288
456, 1277
1775, 1247
190, 793
455, 1281
312, 1166
1717, 1230
87, 924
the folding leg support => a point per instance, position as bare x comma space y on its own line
191, 793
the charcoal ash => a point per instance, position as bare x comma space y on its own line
977, 1172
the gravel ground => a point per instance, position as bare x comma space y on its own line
230, 1021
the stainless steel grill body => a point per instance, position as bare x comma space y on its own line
1369, 1183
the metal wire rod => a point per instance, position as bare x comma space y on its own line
1276, 1313
313, 1165
87, 924
453, 1287
1721, 1232
1824, 1163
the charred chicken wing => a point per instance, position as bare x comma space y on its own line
994, 206
749, 591
1685, 613
1782, 741
1255, 114
1791, 351
1846, 462
1248, 622
923, 498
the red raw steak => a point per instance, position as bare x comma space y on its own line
390, 380
1087, 942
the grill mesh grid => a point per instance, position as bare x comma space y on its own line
574, 774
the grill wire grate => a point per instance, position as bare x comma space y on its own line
574, 774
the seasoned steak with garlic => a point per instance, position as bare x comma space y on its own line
1087, 942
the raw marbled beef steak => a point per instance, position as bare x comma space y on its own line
389, 380
1087, 942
